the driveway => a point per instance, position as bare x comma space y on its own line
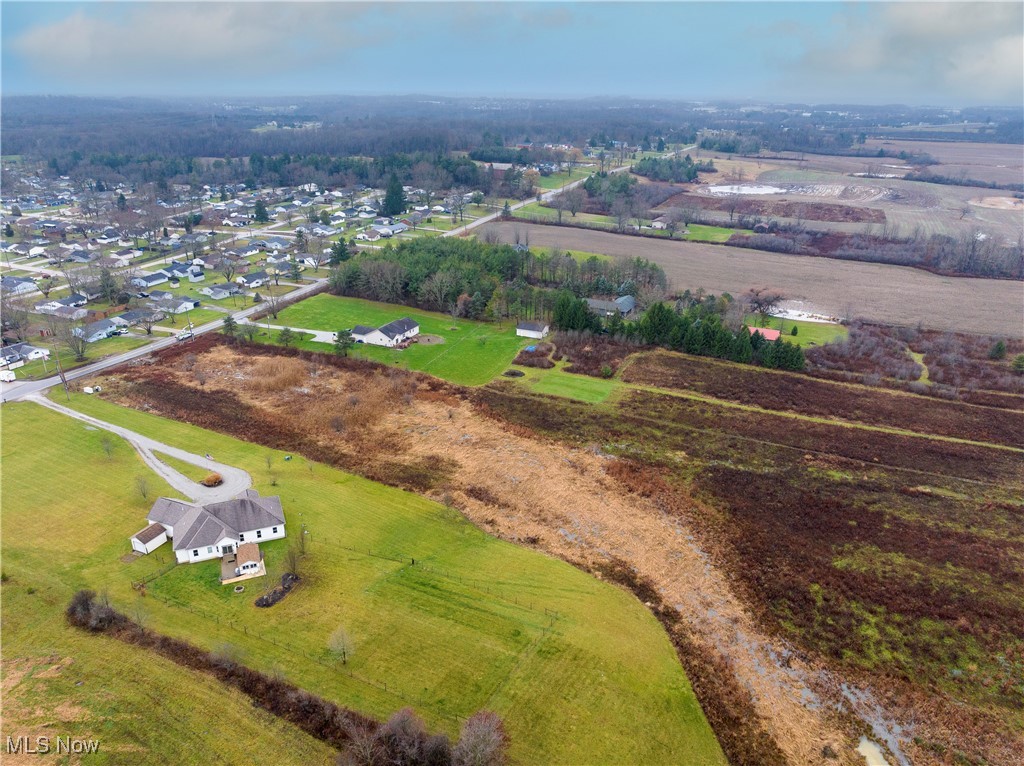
235, 479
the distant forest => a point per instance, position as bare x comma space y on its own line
315, 139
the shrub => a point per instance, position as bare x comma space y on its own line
998, 350
212, 480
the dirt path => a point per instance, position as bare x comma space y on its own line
892, 294
235, 479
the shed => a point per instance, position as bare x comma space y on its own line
532, 330
766, 333
149, 539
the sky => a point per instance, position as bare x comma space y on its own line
938, 53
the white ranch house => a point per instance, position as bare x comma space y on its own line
200, 533
389, 335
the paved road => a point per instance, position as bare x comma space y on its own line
319, 336
235, 479
22, 389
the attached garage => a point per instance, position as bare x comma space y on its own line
149, 539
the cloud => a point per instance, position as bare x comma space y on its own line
164, 41
921, 51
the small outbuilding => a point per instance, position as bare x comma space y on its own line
766, 333
535, 330
149, 539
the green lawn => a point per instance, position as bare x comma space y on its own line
473, 352
808, 333
699, 233
578, 669
580, 256
557, 382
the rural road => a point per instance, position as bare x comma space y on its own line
235, 479
20, 390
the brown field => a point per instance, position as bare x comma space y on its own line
890, 294
994, 163
788, 553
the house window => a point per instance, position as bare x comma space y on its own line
259, 533
241, 538
274, 530
195, 553
209, 549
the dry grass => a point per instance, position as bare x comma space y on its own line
277, 374
575, 503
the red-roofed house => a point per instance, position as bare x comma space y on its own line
766, 333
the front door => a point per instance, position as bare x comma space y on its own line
228, 549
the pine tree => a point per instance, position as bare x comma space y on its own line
286, 337
230, 327
394, 197
343, 341
260, 213
339, 252
742, 349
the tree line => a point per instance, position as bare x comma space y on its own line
481, 280
694, 326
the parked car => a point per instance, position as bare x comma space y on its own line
186, 335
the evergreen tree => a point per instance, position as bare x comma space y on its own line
108, 285
692, 340
661, 144
742, 349
230, 327
657, 324
998, 351
8, 230
122, 203
339, 252
286, 337
394, 197
343, 341
294, 272
260, 213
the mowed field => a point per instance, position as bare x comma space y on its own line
893, 294
472, 353
474, 623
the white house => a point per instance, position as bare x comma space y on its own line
219, 292
254, 280
104, 328
17, 285
532, 330
144, 281
389, 335
206, 532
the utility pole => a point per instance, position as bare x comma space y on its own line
60, 372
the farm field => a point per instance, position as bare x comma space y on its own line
893, 294
982, 161
474, 623
557, 382
472, 353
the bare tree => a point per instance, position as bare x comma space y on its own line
142, 485
227, 268
108, 446
456, 202
438, 288
14, 316
560, 204
483, 742
763, 301
71, 335
575, 200
291, 561
340, 644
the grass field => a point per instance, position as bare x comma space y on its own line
473, 352
474, 623
807, 333
557, 382
699, 233
58, 680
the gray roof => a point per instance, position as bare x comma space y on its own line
361, 329
150, 533
198, 527
399, 326
168, 512
534, 326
